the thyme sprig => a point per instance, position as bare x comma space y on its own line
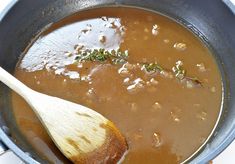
102, 55
121, 57
180, 73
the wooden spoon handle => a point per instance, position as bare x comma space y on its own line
13, 83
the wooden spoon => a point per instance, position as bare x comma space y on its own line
81, 134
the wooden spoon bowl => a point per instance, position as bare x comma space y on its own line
81, 134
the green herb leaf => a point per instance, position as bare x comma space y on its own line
102, 55
152, 67
120, 57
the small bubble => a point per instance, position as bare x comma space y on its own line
130, 66
156, 106
86, 78
133, 107
136, 22
72, 74
137, 137
175, 114
189, 84
146, 29
180, 46
137, 84
155, 29
213, 89
148, 83
166, 40
90, 93
157, 141
167, 74
132, 88
140, 130
153, 81
123, 71
201, 67
201, 115
79, 65
126, 80
59, 71
176, 119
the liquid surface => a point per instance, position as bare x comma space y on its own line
163, 118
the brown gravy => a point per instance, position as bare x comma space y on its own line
163, 119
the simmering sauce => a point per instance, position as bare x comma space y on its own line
163, 92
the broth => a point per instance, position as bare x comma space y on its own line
165, 112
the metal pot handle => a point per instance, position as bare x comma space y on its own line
3, 148
7, 156
5, 6
5, 153
230, 4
